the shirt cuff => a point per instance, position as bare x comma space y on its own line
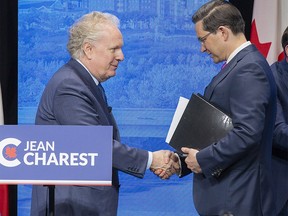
150, 159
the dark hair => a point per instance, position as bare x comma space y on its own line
217, 13
284, 39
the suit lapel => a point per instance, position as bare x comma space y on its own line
217, 79
225, 71
88, 81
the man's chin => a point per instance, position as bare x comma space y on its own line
111, 75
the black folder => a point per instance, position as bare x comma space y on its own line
201, 125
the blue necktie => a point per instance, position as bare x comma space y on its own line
103, 93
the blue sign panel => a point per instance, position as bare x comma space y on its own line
54, 154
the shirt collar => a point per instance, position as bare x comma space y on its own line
234, 53
95, 80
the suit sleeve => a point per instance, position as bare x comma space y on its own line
248, 92
74, 104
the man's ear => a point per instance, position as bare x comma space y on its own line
286, 50
224, 32
87, 49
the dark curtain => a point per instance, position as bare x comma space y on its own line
8, 58
246, 9
9, 63
8, 74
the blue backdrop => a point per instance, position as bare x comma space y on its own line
162, 62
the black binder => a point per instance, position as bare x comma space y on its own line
200, 125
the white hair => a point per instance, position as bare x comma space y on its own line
89, 28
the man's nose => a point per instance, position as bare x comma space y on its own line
120, 55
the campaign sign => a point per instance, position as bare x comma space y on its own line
55, 154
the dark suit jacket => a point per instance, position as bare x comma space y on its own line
280, 139
72, 98
236, 170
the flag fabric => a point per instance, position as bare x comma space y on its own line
4, 203
269, 20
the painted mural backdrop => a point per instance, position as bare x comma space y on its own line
162, 62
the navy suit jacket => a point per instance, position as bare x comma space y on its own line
280, 139
71, 97
236, 170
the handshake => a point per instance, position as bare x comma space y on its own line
165, 163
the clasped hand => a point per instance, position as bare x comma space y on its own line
165, 163
191, 159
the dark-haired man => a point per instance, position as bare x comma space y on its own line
234, 174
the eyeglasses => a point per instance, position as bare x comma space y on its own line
204, 38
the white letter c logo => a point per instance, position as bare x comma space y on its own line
3, 144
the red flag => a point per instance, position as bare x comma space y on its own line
270, 18
4, 206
